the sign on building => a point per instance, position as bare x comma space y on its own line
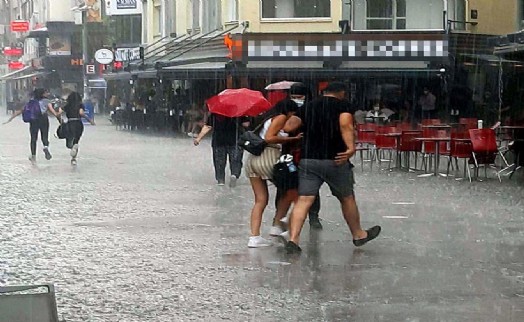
90, 69
127, 54
124, 7
19, 26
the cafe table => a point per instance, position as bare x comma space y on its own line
437, 141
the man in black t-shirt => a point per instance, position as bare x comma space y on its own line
327, 145
224, 143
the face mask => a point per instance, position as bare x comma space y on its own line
298, 101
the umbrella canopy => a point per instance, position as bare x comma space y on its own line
238, 102
283, 85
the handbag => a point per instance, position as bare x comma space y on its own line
252, 142
62, 130
285, 173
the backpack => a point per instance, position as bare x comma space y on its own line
31, 111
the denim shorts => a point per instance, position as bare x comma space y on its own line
313, 173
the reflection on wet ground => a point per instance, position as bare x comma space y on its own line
139, 232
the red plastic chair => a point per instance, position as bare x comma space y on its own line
409, 144
431, 122
460, 149
430, 148
484, 149
404, 127
468, 123
366, 142
385, 143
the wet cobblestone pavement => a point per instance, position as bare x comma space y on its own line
139, 232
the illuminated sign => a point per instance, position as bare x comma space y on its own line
19, 26
15, 65
8, 51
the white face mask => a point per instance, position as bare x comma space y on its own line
298, 101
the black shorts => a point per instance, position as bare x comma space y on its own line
313, 173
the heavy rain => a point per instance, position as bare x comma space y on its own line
187, 160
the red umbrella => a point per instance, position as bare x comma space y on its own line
238, 102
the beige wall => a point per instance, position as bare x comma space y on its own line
250, 10
495, 17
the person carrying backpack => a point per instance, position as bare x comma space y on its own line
35, 112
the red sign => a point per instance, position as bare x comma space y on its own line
8, 51
118, 65
19, 26
16, 65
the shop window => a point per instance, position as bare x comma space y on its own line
385, 14
296, 9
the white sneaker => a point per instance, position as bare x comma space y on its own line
32, 158
73, 161
275, 231
258, 241
285, 220
233, 182
74, 151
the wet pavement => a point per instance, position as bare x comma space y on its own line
139, 232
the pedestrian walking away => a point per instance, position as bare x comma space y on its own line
35, 112
259, 169
328, 143
74, 128
224, 144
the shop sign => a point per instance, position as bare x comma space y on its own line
127, 54
16, 65
8, 51
125, 7
90, 69
104, 56
19, 26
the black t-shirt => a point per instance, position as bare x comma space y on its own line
225, 130
73, 112
321, 127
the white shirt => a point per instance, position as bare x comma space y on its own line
266, 126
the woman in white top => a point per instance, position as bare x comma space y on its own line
259, 169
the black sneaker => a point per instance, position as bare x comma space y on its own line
373, 232
314, 223
48, 155
292, 248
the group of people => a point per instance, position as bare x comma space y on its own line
72, 129
319, 134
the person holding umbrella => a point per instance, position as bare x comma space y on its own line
228, 110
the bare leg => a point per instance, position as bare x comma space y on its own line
298, 216
352, 216
261, 198
283, 205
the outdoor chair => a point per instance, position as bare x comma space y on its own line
366, 142
484, 149
431, 122
468, 122
28, 303
384, 143
403, 127
460, 149
409, 144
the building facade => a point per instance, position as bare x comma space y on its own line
386, 50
